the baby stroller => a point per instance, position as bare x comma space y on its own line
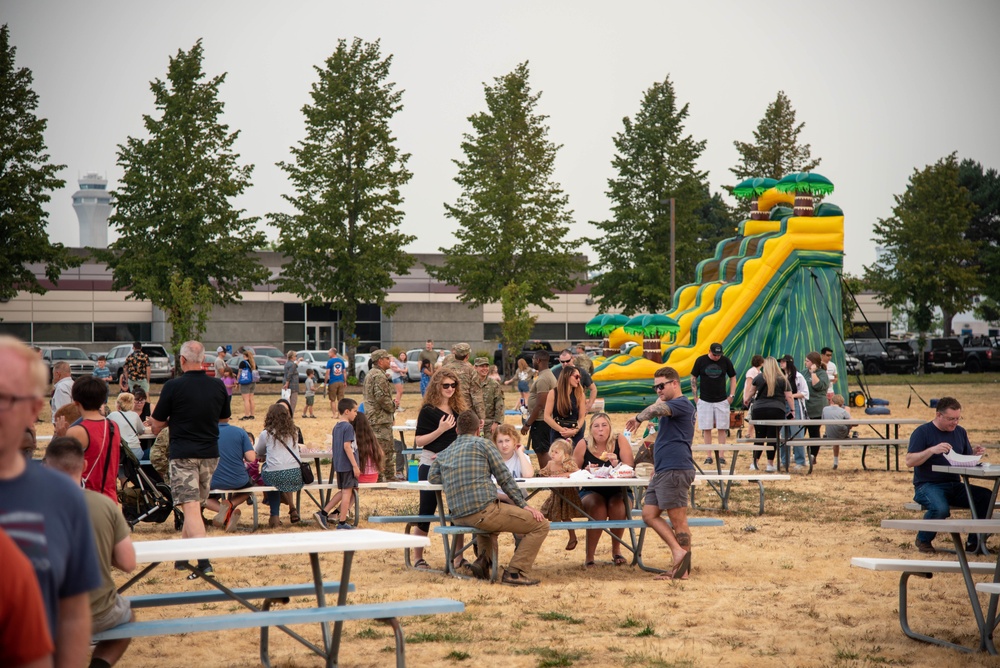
143, 495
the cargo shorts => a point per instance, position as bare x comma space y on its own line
191, 479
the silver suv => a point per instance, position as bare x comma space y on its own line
159, 361
79, 363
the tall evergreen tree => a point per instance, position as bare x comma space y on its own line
984, 229
775, 151
343, 243
927, 260
512, 217
655, 161
26, 178
182, 244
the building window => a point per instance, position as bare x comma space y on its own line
21, 330
295, 312
549, 331
577, 331
63, 332
115, 332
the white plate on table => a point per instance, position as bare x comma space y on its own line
956, 459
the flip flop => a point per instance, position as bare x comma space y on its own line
619, 560
462, 564
571, 544
421, 565
680, 570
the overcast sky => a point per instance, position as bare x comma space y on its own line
883, 87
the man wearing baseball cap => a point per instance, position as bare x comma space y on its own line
709, 375
492, 396
220, 361
380, 409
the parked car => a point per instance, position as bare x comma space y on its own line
413, 362
268, 351
528, 353
315, 360
944, 354
361, 365
208, 364
982, 353
94, 356
79, 363
160, 367
852, 363
270, 370
894, 357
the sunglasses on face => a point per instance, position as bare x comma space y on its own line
660, 386
448, 386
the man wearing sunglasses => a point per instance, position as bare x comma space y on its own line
673, 468
588, 384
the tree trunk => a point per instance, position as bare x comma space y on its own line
946, 320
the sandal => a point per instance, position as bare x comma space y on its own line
619, 560
571, 544
421, 565
462, 564
589, 564
683, 568
293, 516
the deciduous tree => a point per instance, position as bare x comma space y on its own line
927, 261
654, 161
342, 244
984, 229
512, 216
26, 179
182, 244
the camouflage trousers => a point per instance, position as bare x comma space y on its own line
383, 434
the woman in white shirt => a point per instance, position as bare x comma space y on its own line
128, 424
277, 442
398, 373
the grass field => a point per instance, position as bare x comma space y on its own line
775, 590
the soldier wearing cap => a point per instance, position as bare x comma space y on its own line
468, 379
380, 409
492, 396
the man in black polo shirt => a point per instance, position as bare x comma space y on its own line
192, 406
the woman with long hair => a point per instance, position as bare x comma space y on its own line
566, 407
800, 393
818, 381
522, 375
247, 366
603, 446
277, 443
772, 400
370, 455
435, 431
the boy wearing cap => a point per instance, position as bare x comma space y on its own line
492, 397
709, 375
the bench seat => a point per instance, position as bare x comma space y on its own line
279, 592
316, 486
384, 612
758, 478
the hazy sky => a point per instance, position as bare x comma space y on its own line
883, 87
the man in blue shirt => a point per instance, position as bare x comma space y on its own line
336, 380
936, 491
673, 468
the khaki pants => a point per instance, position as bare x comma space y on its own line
498, 517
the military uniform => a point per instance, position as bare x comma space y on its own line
380, 409
468, 379
493, 402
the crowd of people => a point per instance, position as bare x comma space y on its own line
466, 446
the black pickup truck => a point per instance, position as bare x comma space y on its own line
982, 353
528, 352
944, 354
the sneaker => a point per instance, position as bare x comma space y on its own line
344, 526
517, 579
972, 543
708, 460
812, 459
924, 547
234, 520
753, 466
321, 519
835, 467
798, 468
770, 468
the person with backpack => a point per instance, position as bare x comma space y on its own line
247, 380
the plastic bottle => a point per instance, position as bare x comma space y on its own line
412, 470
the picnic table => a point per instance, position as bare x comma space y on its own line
154, 552
955, 527
983, 472
886, 434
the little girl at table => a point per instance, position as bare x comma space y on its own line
558, 508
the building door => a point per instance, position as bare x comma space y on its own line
319, 336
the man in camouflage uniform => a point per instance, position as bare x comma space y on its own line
380, 409
468, 379
492, 397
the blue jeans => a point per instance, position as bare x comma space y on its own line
798, 451
937, 497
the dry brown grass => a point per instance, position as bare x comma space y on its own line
776, 590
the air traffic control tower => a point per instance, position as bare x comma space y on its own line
92, 203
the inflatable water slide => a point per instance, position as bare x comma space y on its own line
773, 289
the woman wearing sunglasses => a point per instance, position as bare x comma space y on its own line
566, 407
436, 431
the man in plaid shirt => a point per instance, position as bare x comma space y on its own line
465, 468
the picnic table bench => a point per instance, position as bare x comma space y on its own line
252, 491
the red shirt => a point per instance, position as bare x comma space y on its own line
100, 459
24, 628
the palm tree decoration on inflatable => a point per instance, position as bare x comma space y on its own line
805, 185
652, 328
751, 189
602, 325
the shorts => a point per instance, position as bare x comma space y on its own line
190, 479
539, 434
248, 388
522, 386
141, 382
335, 391
119, 613
397, 381
346, 480
713, 415
310, 399
669, 489
368, 478
607, 493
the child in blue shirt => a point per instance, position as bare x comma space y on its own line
345, 463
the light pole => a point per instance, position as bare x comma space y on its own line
673, 259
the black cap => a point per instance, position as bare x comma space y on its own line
715, 348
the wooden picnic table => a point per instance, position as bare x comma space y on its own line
890, 439
957, 527
312, 543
